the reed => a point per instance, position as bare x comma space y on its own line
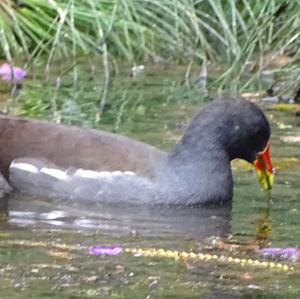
230, 33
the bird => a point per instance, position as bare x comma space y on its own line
77, 164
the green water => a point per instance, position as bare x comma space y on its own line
44, 247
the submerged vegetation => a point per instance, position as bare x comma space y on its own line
235, 38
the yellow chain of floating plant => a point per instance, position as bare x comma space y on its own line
182, 255
177, 255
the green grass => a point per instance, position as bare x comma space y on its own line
231, 35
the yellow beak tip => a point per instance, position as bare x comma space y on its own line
265, 179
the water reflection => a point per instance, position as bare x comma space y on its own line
41, 222
161, 221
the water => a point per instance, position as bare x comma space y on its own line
44, 246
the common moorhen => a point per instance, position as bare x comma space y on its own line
72, 163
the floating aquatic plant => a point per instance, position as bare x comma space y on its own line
182, 255
105, 250
280, 253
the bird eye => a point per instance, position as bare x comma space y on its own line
257, 131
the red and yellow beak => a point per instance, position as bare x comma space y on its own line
264, 168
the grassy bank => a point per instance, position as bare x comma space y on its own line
229, 42
231, 32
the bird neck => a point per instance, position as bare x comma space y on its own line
201, 170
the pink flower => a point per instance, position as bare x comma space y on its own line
281, 253
8, 72
105, 250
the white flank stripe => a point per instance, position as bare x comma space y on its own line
117, 173
24, 166
105, 174
57, 173
129, 173
86, 173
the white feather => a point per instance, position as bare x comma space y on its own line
57, 173
24, 166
